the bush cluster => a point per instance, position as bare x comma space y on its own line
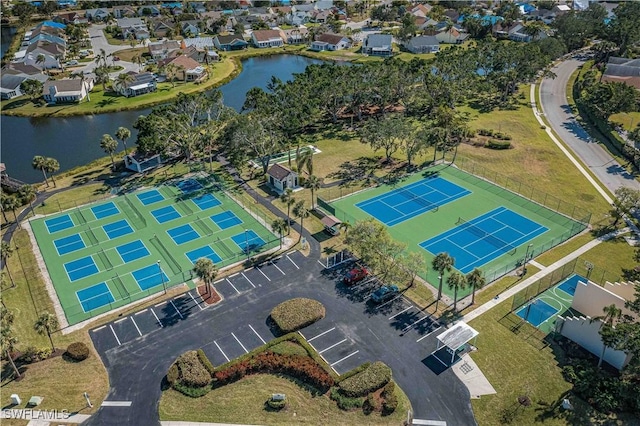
492, 133
78, 351
495, 144
205, 362
295, 314
288, 348
33, 354
345, 402
369, 380
191, 371
276, 404
390, 400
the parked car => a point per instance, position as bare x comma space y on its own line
72, 63
384, 293
355, 275
116, 58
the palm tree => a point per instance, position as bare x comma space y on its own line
102, 76
475, 280
40, 59
123, 80
39, 163
123, 134
109, 145
441, 263
344, 226
8, 340
313, 183
299, 210
456, 281
612, 314
27, 193
46, 324
83, 78
6, 251
288, 200
11, 203
206, 270
279, 226
51, 165
170, 71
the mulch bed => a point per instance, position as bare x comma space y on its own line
210, 297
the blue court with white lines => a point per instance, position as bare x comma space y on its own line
132, 251
226, 219
59, 223
95, 297
150, 276
117, 229
248, 241
205, 251
81, 268
69, 244
206, 201
150, 197
105, 210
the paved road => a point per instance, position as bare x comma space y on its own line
555, 107
99, 41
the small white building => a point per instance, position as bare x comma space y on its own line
281, 178
66, 90
139, 163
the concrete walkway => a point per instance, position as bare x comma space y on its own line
176, 423
43, 417
470, 374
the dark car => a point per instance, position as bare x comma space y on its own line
355, 275
384, 293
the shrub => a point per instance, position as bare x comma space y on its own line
191, 391
205, 362
368, 380
355, 371
494, 144
288, 348
485, 132
33, 354
192, 372
371, 404
295, 314
390, 401
78, 351
345, 402
276, 404
173, 374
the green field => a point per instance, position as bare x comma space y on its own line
115, 271
484, 197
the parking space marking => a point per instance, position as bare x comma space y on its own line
238, 340
221, 351
176, 308
245, 277
390, 301
332, 346
277, 267
99, 328
340, 360
231, 276
294, 263
320, 335
136, 325
428, 334
234, 287
160, 304
265, 275
219, 281
157, 319
120, 320
415, 322
401, 312
139, 312
116, 404
194, 301
115, 335
429, 422
259, 337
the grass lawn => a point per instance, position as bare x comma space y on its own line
564, 249
609, 259
244, 402
128, 54
629, 120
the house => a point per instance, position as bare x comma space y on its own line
330, 42
279, 10
123, 12
161, 49
203, 46
421, 10
70, 18
423, 44
135, 27
142, 83
10, 86
198, 7
161, 28
281, 178
190, 28
303, 7
296, 35
560, 9
52, 53
188, 69
267, 38
66, 90
297, 18
148, 10
378, 45
515, 31
140, 163
320, 16
48, 38
623, 70
230, 42
324, 5
451, 36
97, 15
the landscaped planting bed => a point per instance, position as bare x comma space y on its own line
295, 314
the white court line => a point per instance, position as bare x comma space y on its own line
120, 320
138, 313
194, 301
415, 322
176, 308
238, 340
401, 312
136, 325
332, 346
294, 263
245, 277
221, 351
428, 334
157, 319
234, 287
259, 337
99, 328
340, 360
321, 334
116, 404
265, 275
278, 268
115, 335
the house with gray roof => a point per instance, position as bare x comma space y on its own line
230, 42
10, 86
422, 44
378, 45
623, 70
66, 90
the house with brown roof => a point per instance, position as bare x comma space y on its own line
267, 38
70, 18
189, 70
123, 12
281, 178
331, 42
421, 10
66, 90
623, 70
296, 35
161, 28
451, 36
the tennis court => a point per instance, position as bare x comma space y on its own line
95, 297
226, 219
205, 251
411, 200
189, 185
206, 201
183, 234
69, 244
248, 240
80, 268
105, 210
150, 276
117, 229
150, 197
59, 223
485, 238
132, 251
165, 214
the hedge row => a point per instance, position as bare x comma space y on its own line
33, 354
390, 400
493, 144
192, 372
354, 371
369, 380
493, 133
205, 362
345, 402
298, 313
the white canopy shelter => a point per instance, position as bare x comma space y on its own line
455, 339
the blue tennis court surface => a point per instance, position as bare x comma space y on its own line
150, 197
105, 210
536, 312
189, 185
132, 251
570, 284
150, 276
59, 223
68, 244
406, 202
95, 297
248, 241
81, 268
117, 229
205, 251
165, 214
183, 234
487, 237
226, 219
206, 201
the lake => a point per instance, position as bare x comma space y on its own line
75, 141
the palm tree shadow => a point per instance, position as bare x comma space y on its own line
106, 102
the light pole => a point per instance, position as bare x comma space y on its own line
164, 287
246, 242
526, 258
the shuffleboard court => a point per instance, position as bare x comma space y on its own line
205, 251
183, 234
206, 201
117, 229
248, 240
189, 185
150, 197
226, 219
59, 223
132, 251
105, 210
68, 244
81, 268
536, 312
165, 214
409, 201
95, 297
150, 276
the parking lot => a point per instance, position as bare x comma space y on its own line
334, 344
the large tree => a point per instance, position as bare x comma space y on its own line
51, 165
6, 251
8, 339
386, 134
476, 281
456, 281
206, 271
32, 88
39, 163
109, 145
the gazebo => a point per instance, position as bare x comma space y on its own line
456, 341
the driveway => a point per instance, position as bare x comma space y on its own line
138, 349
99, 41
553, 96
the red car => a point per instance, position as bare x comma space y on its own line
355, 275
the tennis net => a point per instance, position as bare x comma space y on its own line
486, 236
413, 197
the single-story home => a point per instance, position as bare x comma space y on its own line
452, 36
123, 12
422, 44
143, 82
378, 45
281, 178
66, 90
188, 69
10, 86
331, 42
139, 163
623, 70
267, 38
99, 14
230, 42
161, 49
